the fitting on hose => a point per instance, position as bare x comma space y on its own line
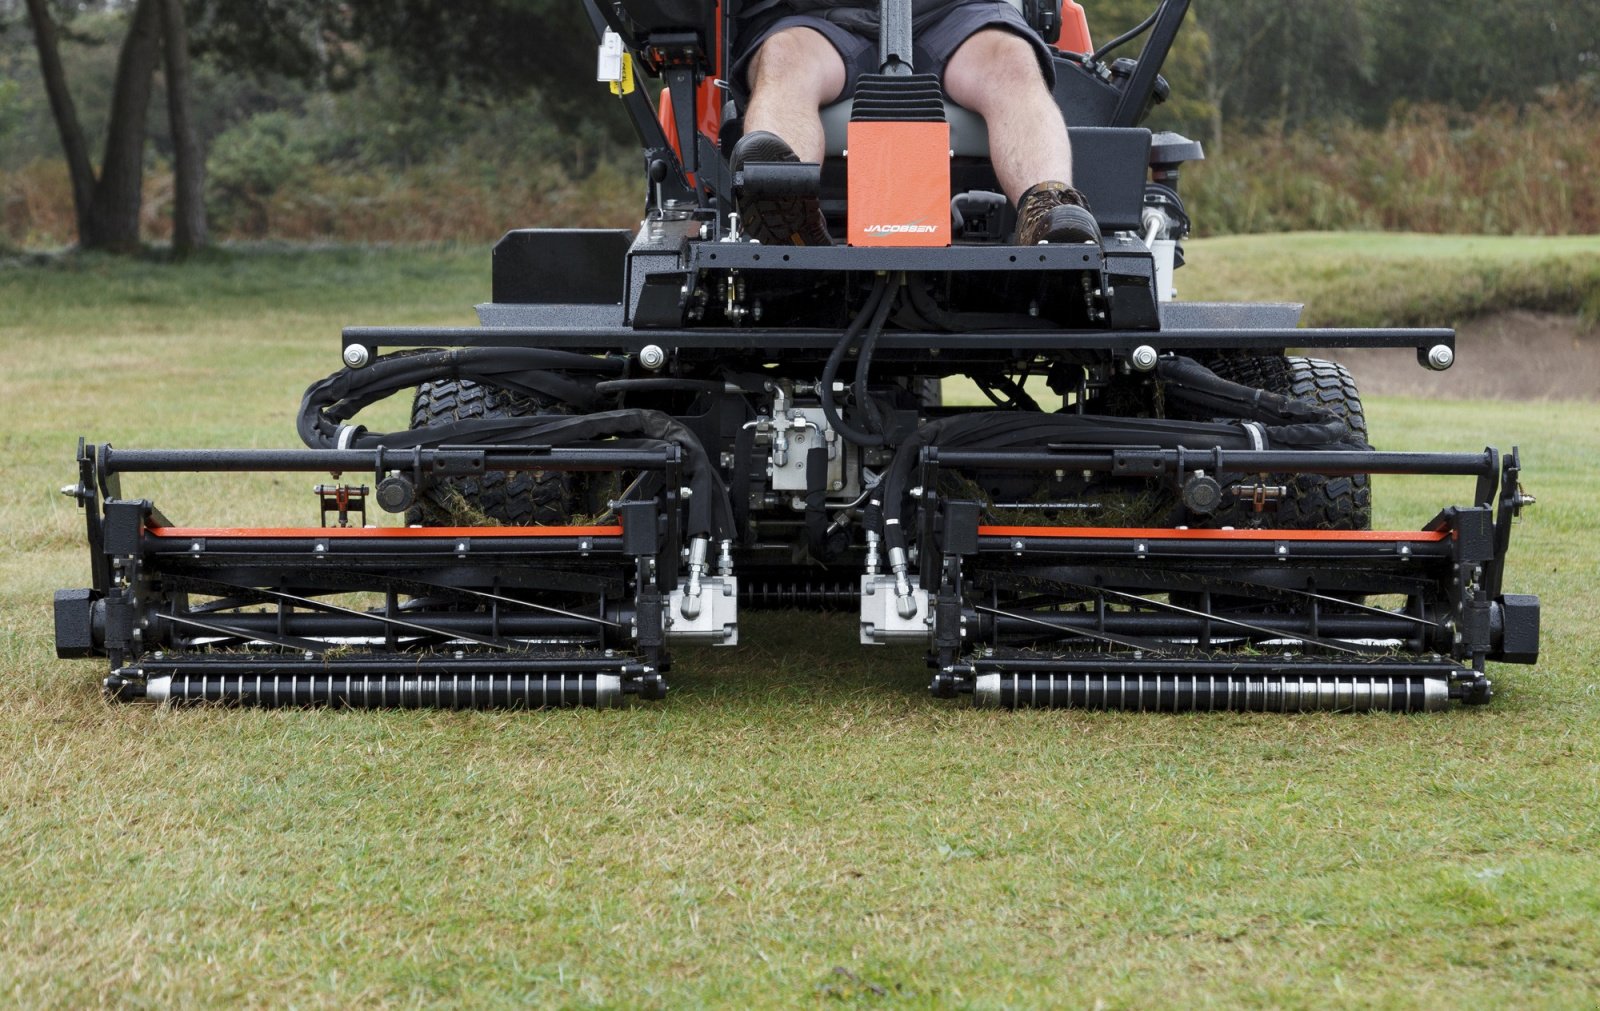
698, 546
724, 558
905, 601
874, 560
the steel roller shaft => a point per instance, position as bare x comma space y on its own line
385, 691
1192, 693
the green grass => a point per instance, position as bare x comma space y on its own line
1366, 279
799, 824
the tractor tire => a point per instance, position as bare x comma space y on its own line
1311, 501
495, 498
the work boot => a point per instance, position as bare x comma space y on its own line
1055, 213
777, 221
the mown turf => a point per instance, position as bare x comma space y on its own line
799, 824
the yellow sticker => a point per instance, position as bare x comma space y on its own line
624, 86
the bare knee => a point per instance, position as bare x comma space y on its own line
800, 62
992, 67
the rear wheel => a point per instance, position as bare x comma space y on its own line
1310, 501
495, 498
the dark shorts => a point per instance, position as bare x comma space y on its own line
853, 33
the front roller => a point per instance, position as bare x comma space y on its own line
1238, 692
380, 691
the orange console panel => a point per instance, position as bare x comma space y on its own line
899, 184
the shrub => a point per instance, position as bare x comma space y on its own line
1503, 171
249, 164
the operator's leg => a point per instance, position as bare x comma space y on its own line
996, 75
792, 76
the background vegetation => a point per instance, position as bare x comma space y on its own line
401, 122
800, 823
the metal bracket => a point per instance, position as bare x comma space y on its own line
716, 622
880, 613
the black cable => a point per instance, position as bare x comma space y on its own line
1286, 421
1020, 398
869, 344
531, 372
1127, 36
830, 371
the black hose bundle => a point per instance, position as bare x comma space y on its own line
1288, 422
871, 318
330, 403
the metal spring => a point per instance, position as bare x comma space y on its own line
392, 691
820, 596
1189, 693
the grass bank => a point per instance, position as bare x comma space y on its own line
800, 823
1382, 279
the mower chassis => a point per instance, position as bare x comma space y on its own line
1167, 539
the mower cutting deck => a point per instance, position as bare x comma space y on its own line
652, 431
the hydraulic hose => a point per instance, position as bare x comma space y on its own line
1127, 36
1288, 422
331, 402
830, 371
869, 344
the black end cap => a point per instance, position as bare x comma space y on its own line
1519, 622
120, 689
75, 624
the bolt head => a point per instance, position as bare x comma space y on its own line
652, 357
357, 356
1441, 357
1143, 358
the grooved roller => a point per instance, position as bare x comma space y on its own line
392, 691
1191, 693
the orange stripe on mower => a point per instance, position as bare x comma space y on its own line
1168, 534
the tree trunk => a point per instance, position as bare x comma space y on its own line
1215, 96
63, 111
114, 216
189, 231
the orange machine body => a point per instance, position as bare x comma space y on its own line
1074, 29
899, 184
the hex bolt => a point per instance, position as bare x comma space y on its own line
357, 355
1143, 358
652, 357
1441, 357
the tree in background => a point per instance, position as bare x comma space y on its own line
189, 228
107, 202
482, 51
1292, 63
307, 109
